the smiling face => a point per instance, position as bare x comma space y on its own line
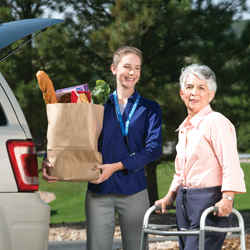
127, 71
196, 94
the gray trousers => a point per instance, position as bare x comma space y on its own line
101, 215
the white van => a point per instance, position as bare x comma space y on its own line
24, 217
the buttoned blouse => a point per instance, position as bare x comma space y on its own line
145, 142
207, 154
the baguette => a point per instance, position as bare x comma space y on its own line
46, 87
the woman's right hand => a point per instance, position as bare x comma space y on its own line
45, 167
163, 202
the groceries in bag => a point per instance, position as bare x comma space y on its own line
46, 87
73, 131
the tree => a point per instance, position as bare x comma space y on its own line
171, 34
55, 52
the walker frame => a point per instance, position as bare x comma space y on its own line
162, 229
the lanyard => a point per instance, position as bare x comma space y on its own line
118, 111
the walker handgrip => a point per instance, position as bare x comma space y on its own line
216, 209
158, 207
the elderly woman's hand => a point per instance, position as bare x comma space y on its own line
45, 168
225, 206
163, 202
168, 200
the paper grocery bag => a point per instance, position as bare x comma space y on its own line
73, 131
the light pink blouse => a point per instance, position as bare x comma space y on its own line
207, 154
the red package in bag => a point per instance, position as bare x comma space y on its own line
80, 97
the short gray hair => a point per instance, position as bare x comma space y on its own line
203, 72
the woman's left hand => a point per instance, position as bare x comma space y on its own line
225, 208
107, 170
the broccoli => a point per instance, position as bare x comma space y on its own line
100, 93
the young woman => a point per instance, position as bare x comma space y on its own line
130, 139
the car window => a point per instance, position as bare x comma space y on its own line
3, 120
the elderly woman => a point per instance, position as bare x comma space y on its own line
208, 171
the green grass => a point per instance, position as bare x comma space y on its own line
242, 201
166, 171
69, 205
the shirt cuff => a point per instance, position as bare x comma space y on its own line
237, 186
130, 164
174, 186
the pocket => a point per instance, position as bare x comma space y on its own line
196, 205
211, 218
216, 198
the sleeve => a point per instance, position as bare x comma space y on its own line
45, 156
153, 142
175, 183
223, 138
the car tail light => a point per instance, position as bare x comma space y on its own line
24, 164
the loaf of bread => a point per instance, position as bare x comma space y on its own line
46, 87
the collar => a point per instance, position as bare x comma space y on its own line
196, 120
132, 97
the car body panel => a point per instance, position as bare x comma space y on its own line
24, 216
12, 130
15, 113
13, 31
16, 129
24, 222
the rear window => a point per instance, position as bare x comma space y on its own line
3, 120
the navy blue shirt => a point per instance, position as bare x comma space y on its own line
145, 143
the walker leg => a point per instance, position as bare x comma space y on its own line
144, 241
202, 239
243, 240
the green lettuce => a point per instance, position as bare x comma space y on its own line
100, 93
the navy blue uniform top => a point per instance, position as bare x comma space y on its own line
145, 143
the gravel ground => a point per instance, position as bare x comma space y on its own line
77, 231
